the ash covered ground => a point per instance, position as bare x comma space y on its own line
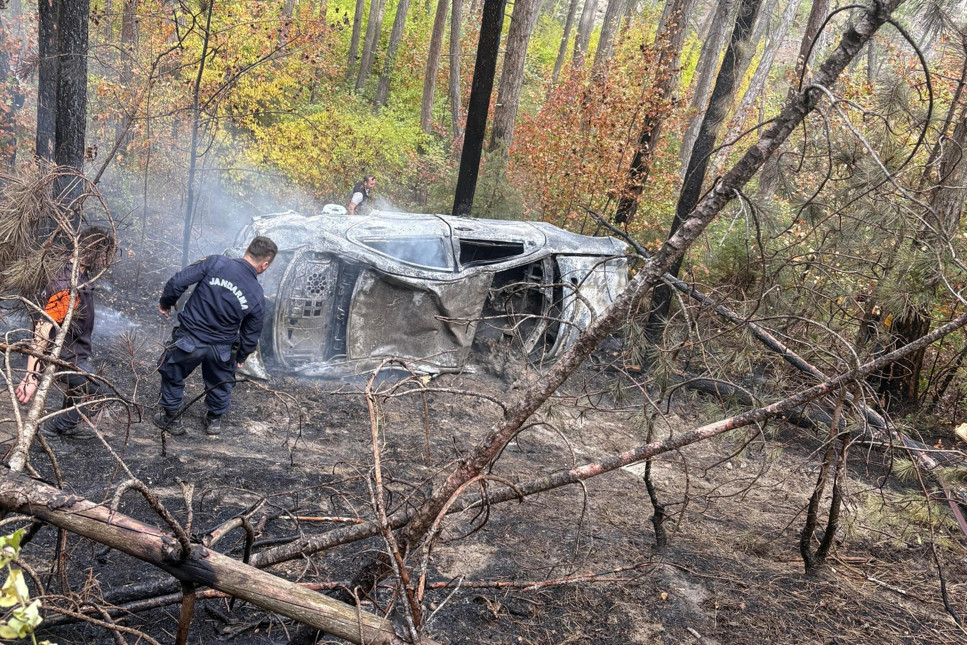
303, 449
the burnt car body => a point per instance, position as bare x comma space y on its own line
348, 292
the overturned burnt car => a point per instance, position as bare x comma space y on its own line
348, 292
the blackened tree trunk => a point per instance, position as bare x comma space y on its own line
354, 40
562, 50
609, 31
583, 37
672, 34
721, 100
72, 83
48, 71
62, 89
396, 34
770, 171
433, 64
373, 26
522, 24
456, 20
483, 84
705, 74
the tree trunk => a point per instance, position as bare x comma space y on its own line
708, 62
99, 523
479, 105
354, 40
48, 71
770, 171
722, 97
562, 50
583, 37
522, 24
609, 30
399, 23
758, 82
672, 31
456, 20
433, 64
70, 118
369, 44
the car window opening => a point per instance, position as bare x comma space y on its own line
488, 251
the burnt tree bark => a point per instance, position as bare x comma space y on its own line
195, 125
12, 93
522, 23
62, 88
479, 105
433, 64
396, 34
701, 153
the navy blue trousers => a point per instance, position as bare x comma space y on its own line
180, 359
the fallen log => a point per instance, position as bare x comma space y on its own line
202, 566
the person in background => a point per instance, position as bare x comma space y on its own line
362, 192
96, 247
222, 317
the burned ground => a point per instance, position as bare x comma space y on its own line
730, 574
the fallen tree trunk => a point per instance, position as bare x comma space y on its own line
75, 514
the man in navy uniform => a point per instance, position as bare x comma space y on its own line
222, 317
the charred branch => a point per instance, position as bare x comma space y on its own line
203, 566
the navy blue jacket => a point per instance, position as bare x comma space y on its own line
227, 304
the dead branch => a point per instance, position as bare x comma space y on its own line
202, 566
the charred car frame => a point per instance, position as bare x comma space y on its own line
350, 292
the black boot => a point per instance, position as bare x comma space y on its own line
212, 423
169, 421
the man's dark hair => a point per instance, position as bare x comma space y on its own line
262, 248
96, 247
368, 177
